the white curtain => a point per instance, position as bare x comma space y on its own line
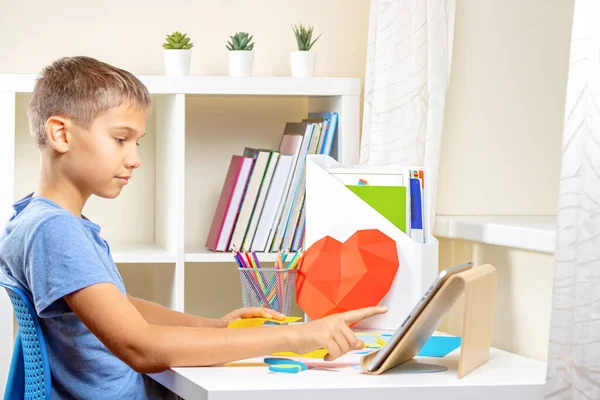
408, 67
574, 349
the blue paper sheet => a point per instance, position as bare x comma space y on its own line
439, 346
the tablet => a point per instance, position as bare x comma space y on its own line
385, 351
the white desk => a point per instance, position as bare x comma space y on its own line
504, 376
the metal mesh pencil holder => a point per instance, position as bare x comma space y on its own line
268, 288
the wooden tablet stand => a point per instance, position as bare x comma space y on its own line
479, 287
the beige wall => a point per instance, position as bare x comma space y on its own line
501, 150
523, 297
129, 33
502, 128
505, 107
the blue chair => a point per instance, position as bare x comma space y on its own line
29, 375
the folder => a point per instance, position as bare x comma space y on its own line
389, 201
416, 211
384, 188
333, 209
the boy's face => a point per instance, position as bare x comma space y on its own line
101, 160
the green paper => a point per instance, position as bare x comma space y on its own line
389, 201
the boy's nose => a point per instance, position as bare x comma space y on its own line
133, 161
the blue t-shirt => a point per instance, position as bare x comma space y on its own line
48, 252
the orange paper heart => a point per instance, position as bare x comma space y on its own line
335, 277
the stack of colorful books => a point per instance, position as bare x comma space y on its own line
261, 206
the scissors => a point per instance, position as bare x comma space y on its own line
289, 366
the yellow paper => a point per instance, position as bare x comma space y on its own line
313, 354
254, 322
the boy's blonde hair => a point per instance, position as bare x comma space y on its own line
81, 88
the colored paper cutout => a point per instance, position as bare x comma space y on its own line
440, 346
335, 277
389, 201
436, 346
254, 322
313, 354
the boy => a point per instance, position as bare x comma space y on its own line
87, 117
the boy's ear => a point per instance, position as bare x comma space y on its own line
56, 133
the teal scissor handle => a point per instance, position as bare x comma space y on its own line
285, 365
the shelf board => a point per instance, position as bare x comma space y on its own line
219, 85
527, 232
205, 256
141, 253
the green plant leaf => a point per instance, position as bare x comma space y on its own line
298, 38
177, 40
304, 36
313, 42
240, 41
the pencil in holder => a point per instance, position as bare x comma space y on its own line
271, 288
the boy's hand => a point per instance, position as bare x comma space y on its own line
252, 312
332, 333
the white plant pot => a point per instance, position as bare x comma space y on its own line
240, 62
302, 63
177, 62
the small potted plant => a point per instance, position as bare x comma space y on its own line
241, 54
303, 60
177, 50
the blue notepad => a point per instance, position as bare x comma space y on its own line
439, 346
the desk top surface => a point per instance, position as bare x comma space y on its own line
505, 374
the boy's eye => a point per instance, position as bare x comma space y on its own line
120, 140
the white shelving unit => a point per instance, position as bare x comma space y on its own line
154, 215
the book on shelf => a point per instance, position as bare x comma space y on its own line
229, 203
262, 159
262, 208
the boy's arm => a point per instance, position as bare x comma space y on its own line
149, 348
158, 315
